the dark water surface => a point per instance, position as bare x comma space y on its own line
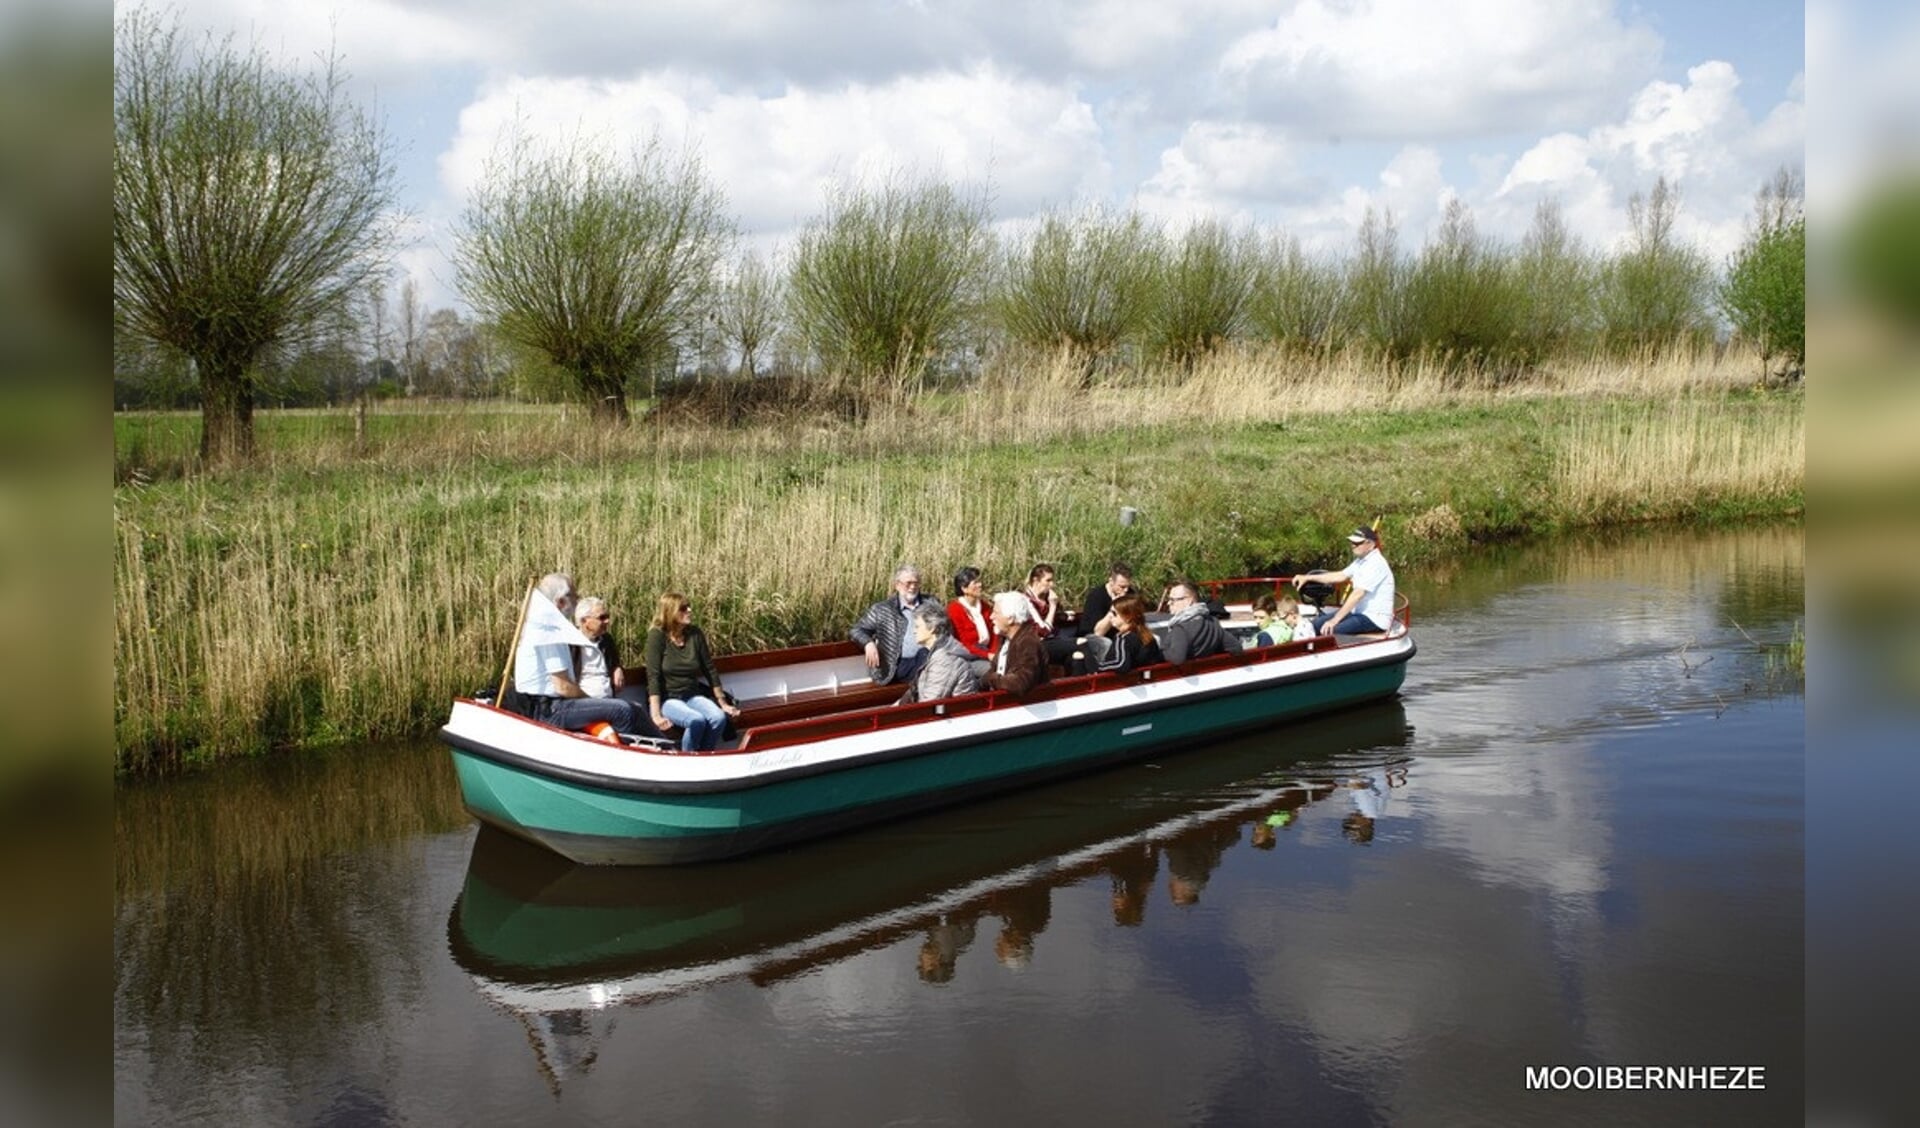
1574, 840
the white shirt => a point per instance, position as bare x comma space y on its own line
1371, 575
535, 661
595, 679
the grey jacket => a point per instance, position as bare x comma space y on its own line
885, 626
1194, 633
948, 672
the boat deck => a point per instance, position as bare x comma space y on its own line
804, 693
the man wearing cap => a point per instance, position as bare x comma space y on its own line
1369, 605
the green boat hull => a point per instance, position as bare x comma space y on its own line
614, 825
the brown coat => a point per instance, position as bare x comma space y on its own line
1026, 655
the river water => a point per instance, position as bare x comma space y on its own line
1574, 840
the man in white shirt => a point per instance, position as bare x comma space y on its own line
543, 668
1369, 605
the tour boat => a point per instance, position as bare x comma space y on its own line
820, 748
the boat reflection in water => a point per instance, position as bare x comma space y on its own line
552, 941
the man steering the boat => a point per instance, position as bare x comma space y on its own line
886, 630
543, 669
1368, 607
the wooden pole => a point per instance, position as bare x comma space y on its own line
526, 601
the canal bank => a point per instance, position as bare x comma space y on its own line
316, 601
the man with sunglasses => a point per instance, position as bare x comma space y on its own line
1368, 607
1193, 632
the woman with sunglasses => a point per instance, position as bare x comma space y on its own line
681, 676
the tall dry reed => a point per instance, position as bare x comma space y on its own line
1662, 459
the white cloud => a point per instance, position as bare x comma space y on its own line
1215, 107
1224, 169
380, 41
775, 156
1415, 70
1697, 135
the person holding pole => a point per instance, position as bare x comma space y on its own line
543, 669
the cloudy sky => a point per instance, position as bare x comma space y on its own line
1294, 114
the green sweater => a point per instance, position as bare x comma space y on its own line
675, 672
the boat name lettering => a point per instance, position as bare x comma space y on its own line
780, 759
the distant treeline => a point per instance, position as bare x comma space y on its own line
903, 283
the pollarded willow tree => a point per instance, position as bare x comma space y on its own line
886, 281
1556, 280
603, 265
1654, 294
1460, 295
1083, 282
748, 311
248, 204
1206, 290
1298, 300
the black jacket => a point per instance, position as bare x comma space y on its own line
885, 626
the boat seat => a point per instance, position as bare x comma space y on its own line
1351, 639
815, 703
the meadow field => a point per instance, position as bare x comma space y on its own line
359, 575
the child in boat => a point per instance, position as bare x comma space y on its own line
1291, 616
1279, 619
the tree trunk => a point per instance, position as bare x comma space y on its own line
226, 413
606, 397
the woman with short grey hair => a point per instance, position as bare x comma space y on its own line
948, 671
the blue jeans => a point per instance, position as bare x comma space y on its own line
701, 722
907, 669
577, 713
1355, 623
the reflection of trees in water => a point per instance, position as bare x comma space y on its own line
242, 822
266, 971
241, 938
1762, 568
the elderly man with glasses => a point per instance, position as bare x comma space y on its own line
886, 630
1193, 632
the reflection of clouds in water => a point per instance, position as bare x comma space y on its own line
1530, 826
1538, 820
849, 994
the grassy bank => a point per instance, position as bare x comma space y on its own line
347, 588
